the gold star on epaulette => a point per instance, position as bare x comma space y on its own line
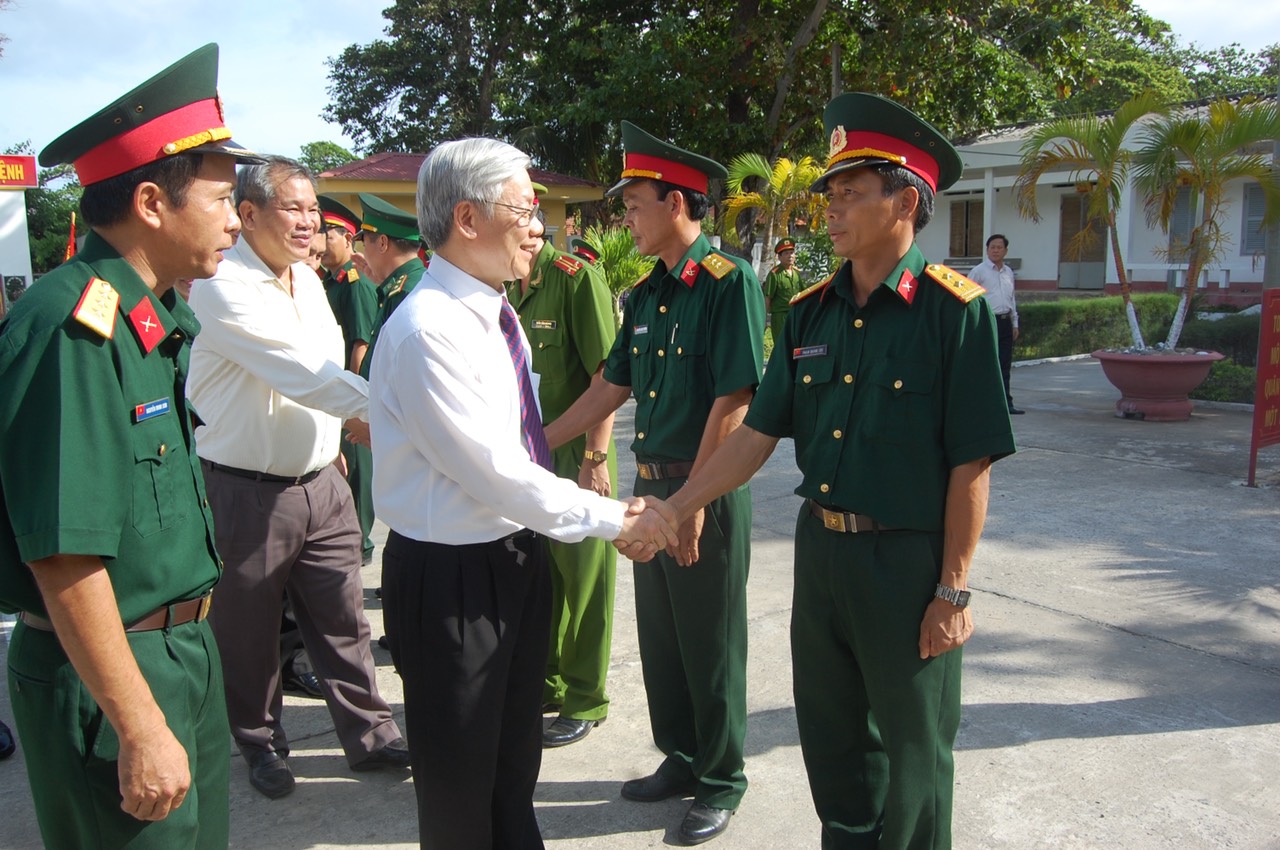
353, 276
805, 293
398, 285
567, 264
954, 282
717, 265
97, 307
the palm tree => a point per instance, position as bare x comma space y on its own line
782, 197
1202, 154
622, 264
1092, 149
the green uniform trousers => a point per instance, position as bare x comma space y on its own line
877, 724
692, 627
71, 749
583, 577
360, 478
776, 323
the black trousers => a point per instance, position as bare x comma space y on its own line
468, 628
1004, 341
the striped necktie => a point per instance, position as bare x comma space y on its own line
530, 421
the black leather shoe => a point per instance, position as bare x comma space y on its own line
383, 643
392, 755
704, 823
270, 773
657, 787
303, 684
7, 743
1014, 411
566, 730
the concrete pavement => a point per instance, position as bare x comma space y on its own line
1122, 689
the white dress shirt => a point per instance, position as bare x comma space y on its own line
999, 285
450, 464
267, 375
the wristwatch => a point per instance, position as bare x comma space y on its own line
957, 597
598, 457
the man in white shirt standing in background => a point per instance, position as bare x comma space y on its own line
462, 475
997, 278
268, 381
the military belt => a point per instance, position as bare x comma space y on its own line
164, 617
845, 522
305, 478
658, 471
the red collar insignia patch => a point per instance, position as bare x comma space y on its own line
689, 273
146, 325
907, 286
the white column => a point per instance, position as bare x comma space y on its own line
988, 203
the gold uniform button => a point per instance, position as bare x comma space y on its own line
163, 448
653, 394
808, 378
857, 323
825, 488
640, 436
661, 353
635, 350
662, 309
897, 385
837, 433
542, 345
680, 350
848, 379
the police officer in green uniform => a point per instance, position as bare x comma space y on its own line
354, 300
566, 310
392, 249
691, 350
781, 284
106, 538
584, 250
888, 380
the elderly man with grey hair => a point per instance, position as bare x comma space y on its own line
268, 379
462, 476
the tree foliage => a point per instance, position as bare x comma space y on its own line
779, 197
323, 156
49, 208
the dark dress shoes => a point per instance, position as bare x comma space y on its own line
566, 730
704, 823
392, 755
7, 744
303, 684
657, 787
1014, 411
270, 773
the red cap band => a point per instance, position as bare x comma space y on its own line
657, 168
334, 220
198, 122
865, 143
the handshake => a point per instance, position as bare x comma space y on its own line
651, 525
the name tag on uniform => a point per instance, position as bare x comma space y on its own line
544, 324
809, 351
640, 329
150, 410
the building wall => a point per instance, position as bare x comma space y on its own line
15, 251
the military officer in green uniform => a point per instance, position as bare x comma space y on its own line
106, 538
354, 300
567, 313
392, 249
691, 351
584, 250
781, 284
887, 378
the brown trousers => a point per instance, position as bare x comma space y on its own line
303, 538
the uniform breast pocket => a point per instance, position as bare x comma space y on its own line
905, 407
813, 380
643, 368
158, 470
690, 350
548, 350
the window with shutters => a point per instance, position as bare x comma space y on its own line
1253, 234
966, 229
1180, 227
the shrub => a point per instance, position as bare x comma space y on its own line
1227, 381
1234, 336
1080, 325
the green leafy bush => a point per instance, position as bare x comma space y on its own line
1227, 381
1234, 336
1080, 325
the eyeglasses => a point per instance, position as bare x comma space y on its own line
526, 214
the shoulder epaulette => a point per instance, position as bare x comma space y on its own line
97, 307
568, 265
805, 293
717, 265
353, 276
954, 282
398, 285
642, 279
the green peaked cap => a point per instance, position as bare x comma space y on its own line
867, 129
384, 219
646, 157
176, 111
335, 214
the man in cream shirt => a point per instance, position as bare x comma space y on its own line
267, 379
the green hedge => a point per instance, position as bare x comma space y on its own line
1228, 381
1080, 325
1234, 336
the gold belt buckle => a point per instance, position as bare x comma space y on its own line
205, 604
645, 471
834, 520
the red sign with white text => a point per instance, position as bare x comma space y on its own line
1266, 399
17, 172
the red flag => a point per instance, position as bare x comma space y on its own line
71, 239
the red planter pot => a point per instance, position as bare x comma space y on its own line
1155, 387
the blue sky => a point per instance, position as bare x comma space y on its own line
66, 59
